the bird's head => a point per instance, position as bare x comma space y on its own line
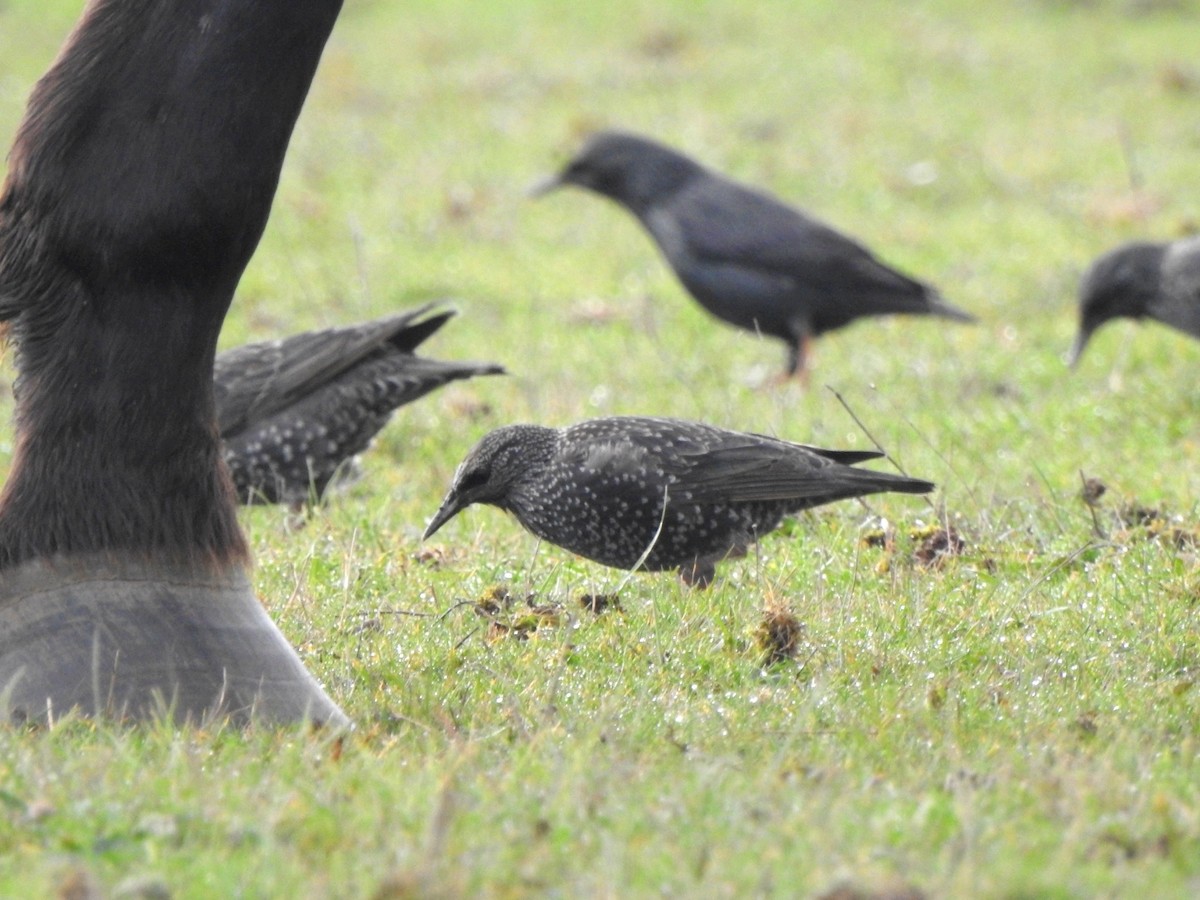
492, 469
1121, 283
634, 171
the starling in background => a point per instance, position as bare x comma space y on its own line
293, 412
749, 259
1141, 280
683, 494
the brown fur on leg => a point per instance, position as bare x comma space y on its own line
138, 187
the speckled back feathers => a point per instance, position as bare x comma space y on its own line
682, 494
293, 413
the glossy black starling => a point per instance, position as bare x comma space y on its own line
293, 412
747, 258
1141, 280
682, 494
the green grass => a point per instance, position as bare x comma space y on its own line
1019, 721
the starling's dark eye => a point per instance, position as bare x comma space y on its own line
472, 479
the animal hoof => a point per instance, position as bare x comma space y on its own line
137, 640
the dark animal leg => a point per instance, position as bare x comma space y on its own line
797, 362
138, 186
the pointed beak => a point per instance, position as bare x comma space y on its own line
1076, 350
941, 308
450, 507
543, 186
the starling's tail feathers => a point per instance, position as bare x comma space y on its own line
903, 484
410, 336
848, 483
869, 481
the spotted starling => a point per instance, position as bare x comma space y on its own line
1141, 280
747, 258
293, 412
662, 493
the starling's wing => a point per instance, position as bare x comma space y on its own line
352, 407
845, 457
723, 223
1177, 303
256, 381
745, 468
698, 463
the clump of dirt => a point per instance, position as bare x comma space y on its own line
434, 557
543, 613
880, 538
494, 600
1158, 525
598, 603
1133, 520
1142, 516
932, 544
779, 634
1093, 489
936, 545
506, 620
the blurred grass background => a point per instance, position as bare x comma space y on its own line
1016, 721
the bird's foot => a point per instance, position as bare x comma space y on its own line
783, 379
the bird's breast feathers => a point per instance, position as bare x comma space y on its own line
668, 232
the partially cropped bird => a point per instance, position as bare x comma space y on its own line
293, 413
633, 491
746, 257
1159, 281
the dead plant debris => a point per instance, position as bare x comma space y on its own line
498, 631
1158, 525
1143, 516
434, 557
779, 634
1093, 490
932, 545
494, 600
849, 891
598, 603
937, 544
506, 620
881, 538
